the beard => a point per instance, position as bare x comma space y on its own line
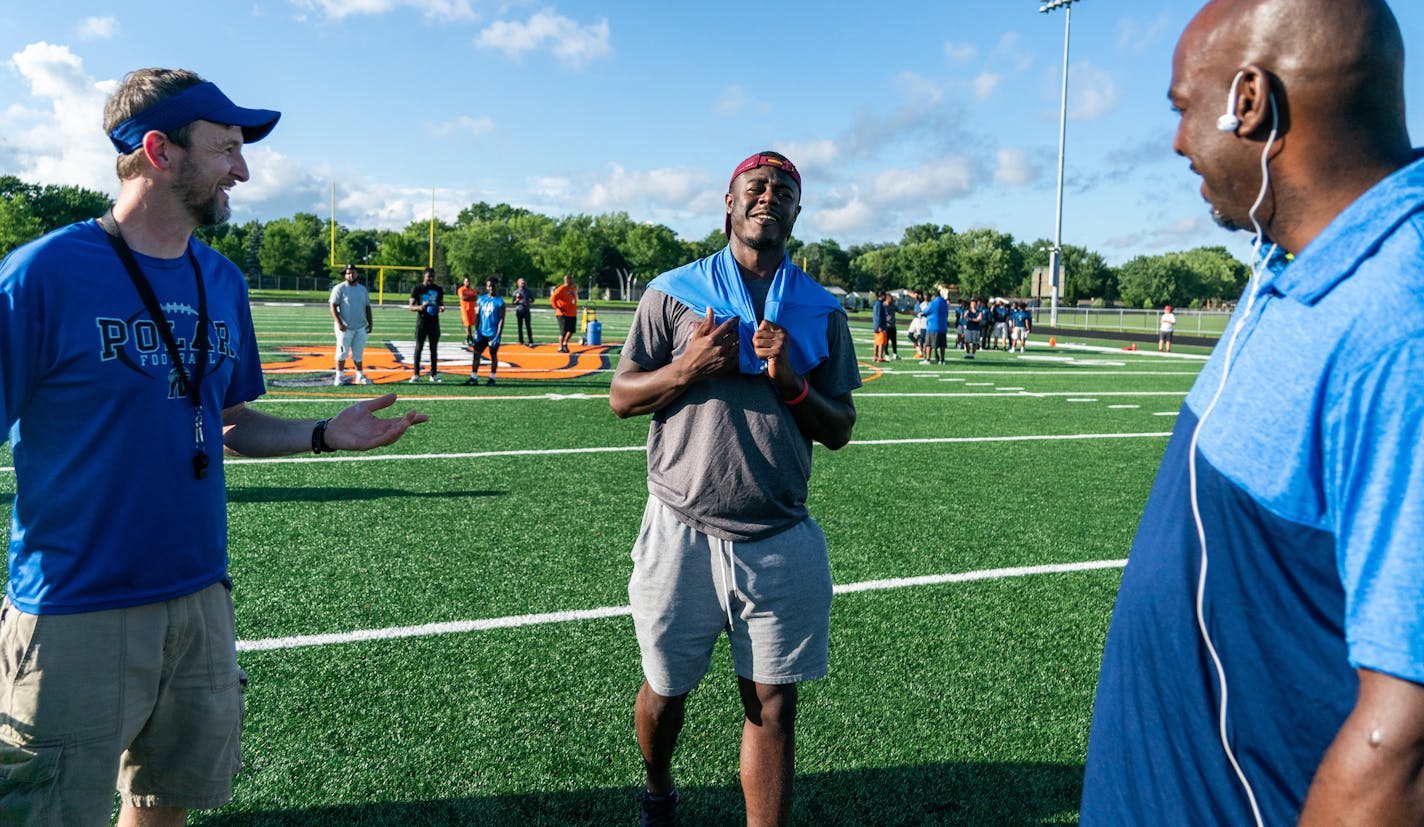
1224, 221
205, 204
769, 238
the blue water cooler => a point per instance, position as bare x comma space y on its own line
594, 334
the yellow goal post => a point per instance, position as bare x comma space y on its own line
380, 268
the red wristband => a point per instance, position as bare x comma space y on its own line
800, 397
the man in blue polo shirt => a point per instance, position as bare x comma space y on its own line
1265, 662
936, 329
118, 405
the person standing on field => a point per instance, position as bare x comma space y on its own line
118, 653
487, 335
468, 296
523, 298
1265, 659
565, 302
427, 301
1165, 326
351, 313
743, 361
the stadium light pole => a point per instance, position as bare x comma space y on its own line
1055, 255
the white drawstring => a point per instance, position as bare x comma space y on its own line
729, 581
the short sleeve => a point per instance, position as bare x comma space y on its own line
650, 339
19, 341
1375, 484
840, 373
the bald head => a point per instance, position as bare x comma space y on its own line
1339, 62
1317, 88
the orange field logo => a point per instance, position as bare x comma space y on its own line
391, 361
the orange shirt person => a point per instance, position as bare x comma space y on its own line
468, 297
565, 302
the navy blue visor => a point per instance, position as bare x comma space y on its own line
202, 102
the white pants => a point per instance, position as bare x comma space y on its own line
352, 342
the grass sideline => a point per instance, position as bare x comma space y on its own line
954, 703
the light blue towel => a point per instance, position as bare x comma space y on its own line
795, 302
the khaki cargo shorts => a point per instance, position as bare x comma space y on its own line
146, 700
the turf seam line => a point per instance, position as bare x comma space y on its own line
518, 621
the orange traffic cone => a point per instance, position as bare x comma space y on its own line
1053, 341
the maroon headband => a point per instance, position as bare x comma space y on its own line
759, 160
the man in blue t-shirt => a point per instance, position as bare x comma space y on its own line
118, 405
489, 313
1265, 660
936, 329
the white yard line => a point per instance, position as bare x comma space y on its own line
519, 621
632, 448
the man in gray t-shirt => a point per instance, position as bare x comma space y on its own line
726, 543
351, 314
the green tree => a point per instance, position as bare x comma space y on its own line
579, 251
57, 206
652, 249
478, 251
875, 267
18, 223
29, 211
706, 246
921, 233
1152, 281
989, 263
826, 262
924, 264
294, 246
1086, 274
1220, 276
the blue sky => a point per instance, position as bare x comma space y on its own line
898, 113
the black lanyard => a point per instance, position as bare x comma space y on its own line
191, 384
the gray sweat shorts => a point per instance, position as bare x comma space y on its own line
772, 597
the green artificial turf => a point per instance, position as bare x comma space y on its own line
963, 703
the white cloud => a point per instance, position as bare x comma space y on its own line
432, 9
1014, 167
277, 185
572, 43
1137, 36
475, 126
1175, 235
919, 89
985, 85
938, 180
735, 99
552, 188
98, 28
60, 139
624, 190
1092, 92
854, 216
815, 154
1012, 49
960, 52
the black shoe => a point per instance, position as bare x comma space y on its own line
471, 381
660, 812
489, 381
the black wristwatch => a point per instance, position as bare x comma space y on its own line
319, 445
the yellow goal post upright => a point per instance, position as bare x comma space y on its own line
380, 268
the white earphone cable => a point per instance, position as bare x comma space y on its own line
1259, 266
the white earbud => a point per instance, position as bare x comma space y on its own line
1229, 122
